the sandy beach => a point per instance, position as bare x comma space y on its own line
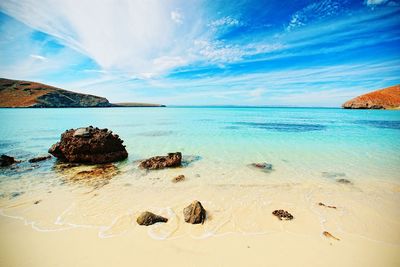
82, 227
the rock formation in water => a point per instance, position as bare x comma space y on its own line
20, 94
7, 160
149, 218
89, 145
161, 162
388, 98
40, 158
194, 213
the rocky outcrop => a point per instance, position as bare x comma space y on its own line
194, 213
149, 218
41, 158
14, 93
89, 145
7, 161
18, 94
161, 162
388, 98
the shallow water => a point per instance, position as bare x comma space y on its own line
309, 149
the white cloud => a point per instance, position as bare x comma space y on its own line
38, 57
220, 52
256, 93
177, 17
129, 36
375, 2
225, 21
314, 12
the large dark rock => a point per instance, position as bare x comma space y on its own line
149, 218
194, 213
161, 162
6, 160
89, 145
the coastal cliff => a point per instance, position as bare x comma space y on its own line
387, 98
14, 93
23, 94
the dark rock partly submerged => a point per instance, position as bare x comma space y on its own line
41, 158
266, 167
161, 162
7, 161
89, 145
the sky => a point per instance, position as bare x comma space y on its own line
189, 52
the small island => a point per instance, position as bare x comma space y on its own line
387, 98
27, 94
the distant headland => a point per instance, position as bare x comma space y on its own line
27, 94
387, 98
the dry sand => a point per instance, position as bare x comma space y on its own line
98, 228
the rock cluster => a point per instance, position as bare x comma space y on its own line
89, 145
161, 162
149, 218
194, 213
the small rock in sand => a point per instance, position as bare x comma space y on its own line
178, 178
283, 214
37, 202
322, 204
344, 181
329, 235
266, 167
149, 218
194, 213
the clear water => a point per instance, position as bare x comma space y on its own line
302, 141
309, 149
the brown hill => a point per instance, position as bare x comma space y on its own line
20, 94
387, 98
14, 93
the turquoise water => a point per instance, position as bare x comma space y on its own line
303, 142
310, 149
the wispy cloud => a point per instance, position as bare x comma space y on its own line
177, 16
205, 52
39, 57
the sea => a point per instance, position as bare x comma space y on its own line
307, 149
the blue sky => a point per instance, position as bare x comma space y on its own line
286, 53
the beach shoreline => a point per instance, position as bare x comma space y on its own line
69, 228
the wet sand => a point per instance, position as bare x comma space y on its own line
83, 226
